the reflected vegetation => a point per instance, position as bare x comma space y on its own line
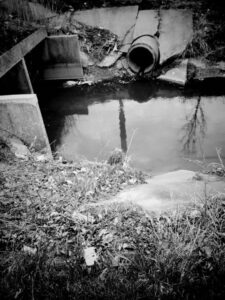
194, 130
171, 124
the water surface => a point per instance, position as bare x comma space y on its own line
161, 128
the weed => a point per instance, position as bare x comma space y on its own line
199, 47
215, 168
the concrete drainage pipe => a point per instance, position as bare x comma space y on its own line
143, 55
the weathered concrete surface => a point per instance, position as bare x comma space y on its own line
175, 32
119, 20
61, 57
18, 148
20, 116
206, 70
10, 58
171, 191
177, 74
147, 23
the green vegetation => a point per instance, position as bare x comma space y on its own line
49, 216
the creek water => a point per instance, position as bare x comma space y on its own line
160, 127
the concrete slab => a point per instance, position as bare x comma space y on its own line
20, 116
172, 191
61, 57
18, 148
147, 23
175, 32
127, 41
119, 20
177, 74
205, 70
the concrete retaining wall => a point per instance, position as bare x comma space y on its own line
61, 58
20, 116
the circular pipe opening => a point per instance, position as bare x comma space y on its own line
140, 59
143, 54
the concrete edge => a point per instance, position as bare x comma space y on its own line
23, 98
30, 99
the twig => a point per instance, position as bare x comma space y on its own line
218, 151
133, 134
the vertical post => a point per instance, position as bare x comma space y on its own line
17, 80
24, 78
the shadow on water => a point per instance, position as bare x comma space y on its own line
169, 122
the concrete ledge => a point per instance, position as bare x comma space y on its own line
20, 116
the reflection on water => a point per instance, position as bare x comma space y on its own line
122, 122
194, 129
164, 127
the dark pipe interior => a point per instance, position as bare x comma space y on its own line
141, 57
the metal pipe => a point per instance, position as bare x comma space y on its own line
143, 55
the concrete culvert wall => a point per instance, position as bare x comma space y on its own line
143, 55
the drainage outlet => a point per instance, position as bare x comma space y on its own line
143, 55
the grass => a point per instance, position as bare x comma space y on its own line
176, 255
198, 47
213, 168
